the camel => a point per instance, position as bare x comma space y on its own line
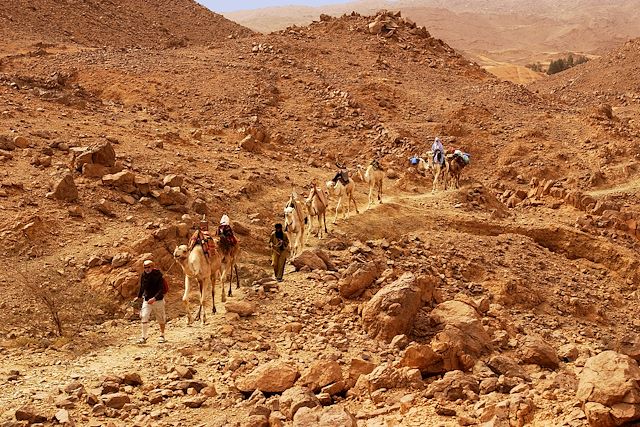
456, 164
197, 267
295, 220
228, 262
317, 207
373, 176
341, 190
437, 170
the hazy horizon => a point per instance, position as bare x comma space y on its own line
221, 6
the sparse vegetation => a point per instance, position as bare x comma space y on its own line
562, 64
535, 66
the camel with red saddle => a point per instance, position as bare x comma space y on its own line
201, 269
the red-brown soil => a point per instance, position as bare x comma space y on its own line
560, 262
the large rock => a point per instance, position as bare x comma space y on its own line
422, 357
393, 308
463, 338
629, 344
65, 189
122, 180
116, 400
609, 389
310, 259
243, 308
357, 277
272, 377
320, 374
103, 154
295, 398
454, 385
537, 351
332, 416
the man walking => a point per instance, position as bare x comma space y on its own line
279, 243
152, 292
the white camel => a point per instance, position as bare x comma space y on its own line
200, 269
341, 190
295, 219
437, 170
374, 175
317, 208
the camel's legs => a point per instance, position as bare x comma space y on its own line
200, 306
335, 219
230, 277
371, 196
185, 299
380, 192
213, 293
223, 276
235, 267
354, 202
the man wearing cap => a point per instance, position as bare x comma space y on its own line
151, 290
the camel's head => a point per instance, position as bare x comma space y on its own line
331, 185
288, 214
180, 252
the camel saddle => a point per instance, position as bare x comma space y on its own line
343, 176
376, 165
204, 239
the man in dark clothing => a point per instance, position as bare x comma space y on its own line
152, 292
279, 244
342, 174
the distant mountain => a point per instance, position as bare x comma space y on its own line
150, 23
517, 31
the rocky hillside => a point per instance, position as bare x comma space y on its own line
510, 300
95, 23
614, 79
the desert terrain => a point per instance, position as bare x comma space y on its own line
509, 301
503, 37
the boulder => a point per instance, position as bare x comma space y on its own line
422, 357
535, 350
173, 181
116, 400
123, 181
359, 367
250, 144
629, 344
384, 376
320, 374
463, 338
103, 154
357, 277
91, 170
393, 308
65, 189
332, 416
310, 259
609, 389
275, 376
295, 398
454, 385
243, 308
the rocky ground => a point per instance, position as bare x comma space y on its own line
509, 301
